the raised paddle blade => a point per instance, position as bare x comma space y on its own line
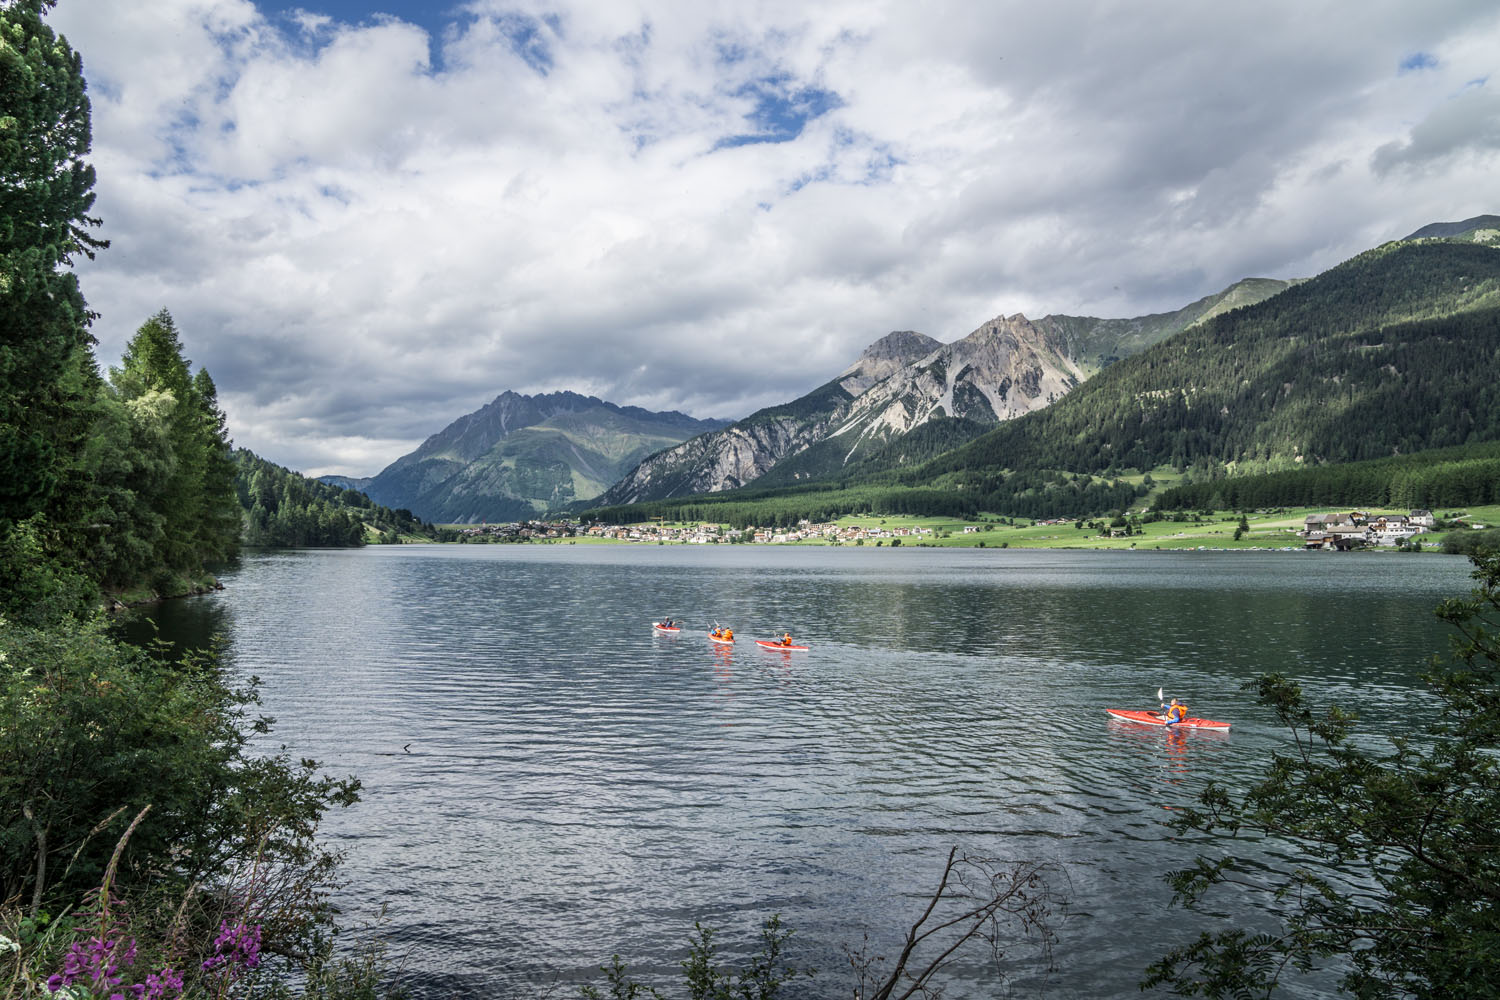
1159, 695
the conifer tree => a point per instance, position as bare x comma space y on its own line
47, 377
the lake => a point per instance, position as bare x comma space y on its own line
548, 783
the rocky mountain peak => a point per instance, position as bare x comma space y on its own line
885, 357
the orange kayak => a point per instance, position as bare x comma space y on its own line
1147, 718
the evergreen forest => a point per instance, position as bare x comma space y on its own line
1394, 351
145, 849
286, 509
1445, 477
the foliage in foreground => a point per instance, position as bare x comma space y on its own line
97, 738
1399, 888
978, 901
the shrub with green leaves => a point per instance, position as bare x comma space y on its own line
1397, 889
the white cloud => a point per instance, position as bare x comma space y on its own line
365, 231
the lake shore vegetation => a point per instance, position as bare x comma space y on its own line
1390, 875
149, 845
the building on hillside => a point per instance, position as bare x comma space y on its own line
1341, 537
1323, 522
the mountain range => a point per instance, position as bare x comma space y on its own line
1393, 351
1263, 374
907, 382
519, 456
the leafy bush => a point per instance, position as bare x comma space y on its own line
1395, 878
96, 732
1469, 543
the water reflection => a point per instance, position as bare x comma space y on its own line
534, 760
180, 625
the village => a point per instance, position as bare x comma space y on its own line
699, 534
1343, 530
1357, 529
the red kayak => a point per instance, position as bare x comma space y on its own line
768, 644
1147, 718
669, 629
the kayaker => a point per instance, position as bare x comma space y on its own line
729, 634
1174, 713
786, 639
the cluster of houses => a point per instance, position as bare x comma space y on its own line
1357, 529
703, 534
520, 531
709, 534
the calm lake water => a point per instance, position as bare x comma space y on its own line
548, 783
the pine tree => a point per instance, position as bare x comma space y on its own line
47, 378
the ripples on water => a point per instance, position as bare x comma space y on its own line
547, 782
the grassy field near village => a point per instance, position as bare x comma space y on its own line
1267, 530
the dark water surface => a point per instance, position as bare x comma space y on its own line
576, 786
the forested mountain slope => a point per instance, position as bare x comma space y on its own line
286, 509
909, 397
1395, 350
520, 455
1443, 477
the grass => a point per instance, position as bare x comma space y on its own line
1269, 530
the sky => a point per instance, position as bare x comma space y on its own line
370, 218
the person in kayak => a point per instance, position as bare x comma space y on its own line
1174, 713
786, 639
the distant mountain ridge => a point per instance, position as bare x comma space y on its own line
518, 456
346, 482
1469, 230
747, 449
1390, 352
1094, 343
908, 381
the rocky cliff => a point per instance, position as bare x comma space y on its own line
905, 381
1007, 367
747, 449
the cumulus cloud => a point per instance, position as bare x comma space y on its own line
366, 228
1467, 124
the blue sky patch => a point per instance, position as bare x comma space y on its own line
781, 111
1418, 61
435, 18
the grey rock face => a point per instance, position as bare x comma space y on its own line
1005, 368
